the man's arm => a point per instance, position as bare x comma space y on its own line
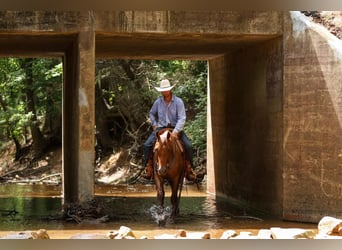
153, 115
181, 116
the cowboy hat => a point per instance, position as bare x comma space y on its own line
164, 86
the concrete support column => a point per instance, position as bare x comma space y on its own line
217, 91
86, 104
79, 119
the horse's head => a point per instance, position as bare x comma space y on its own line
164, 151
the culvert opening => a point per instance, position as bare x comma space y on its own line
244, 124
125, 92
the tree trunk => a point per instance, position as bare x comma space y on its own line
38, 140
10, 133
103, 138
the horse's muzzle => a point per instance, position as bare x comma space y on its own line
162, 170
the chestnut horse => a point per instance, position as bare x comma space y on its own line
169, 165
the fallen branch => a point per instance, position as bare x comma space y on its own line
37, 180
13, 171
247, 217
74, 218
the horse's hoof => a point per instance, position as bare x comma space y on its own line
161, 223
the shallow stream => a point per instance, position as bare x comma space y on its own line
33, 207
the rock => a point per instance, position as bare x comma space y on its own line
181, 233
228, 234
40, 234
291, 233
245, 235
19, 236
330, 225
125, 233
264, 234
129, 238
165, 237
327, 237
112, 234
90, 236
198, 235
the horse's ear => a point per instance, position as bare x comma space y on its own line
158, 135
168, 135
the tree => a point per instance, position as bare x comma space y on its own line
25, 100
13, 118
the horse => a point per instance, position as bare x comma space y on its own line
169, 165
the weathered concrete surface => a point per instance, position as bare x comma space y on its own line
312, 121
245, 125
179, 34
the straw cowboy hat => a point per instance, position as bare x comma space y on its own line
164, 86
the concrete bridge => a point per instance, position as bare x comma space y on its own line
274, 96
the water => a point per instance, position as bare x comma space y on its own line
32, 207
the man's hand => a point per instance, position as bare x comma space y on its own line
175, 135
154, 127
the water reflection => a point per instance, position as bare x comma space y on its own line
31, 209
33, 206
19, 213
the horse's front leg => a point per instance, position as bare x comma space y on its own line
160, 216
160, 192
174, 200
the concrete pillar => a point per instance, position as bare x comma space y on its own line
79, 119
217, 103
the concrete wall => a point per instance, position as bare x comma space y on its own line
312, 121
246, 125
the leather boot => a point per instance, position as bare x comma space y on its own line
148, 172
190, 175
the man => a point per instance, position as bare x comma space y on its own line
168, 111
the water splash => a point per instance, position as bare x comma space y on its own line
160, 215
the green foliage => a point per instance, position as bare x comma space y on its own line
126, 88
191, 80
132, 97
47, 88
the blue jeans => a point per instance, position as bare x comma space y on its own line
151, 140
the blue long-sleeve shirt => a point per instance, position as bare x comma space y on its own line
175, 110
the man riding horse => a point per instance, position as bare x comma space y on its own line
168, 111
